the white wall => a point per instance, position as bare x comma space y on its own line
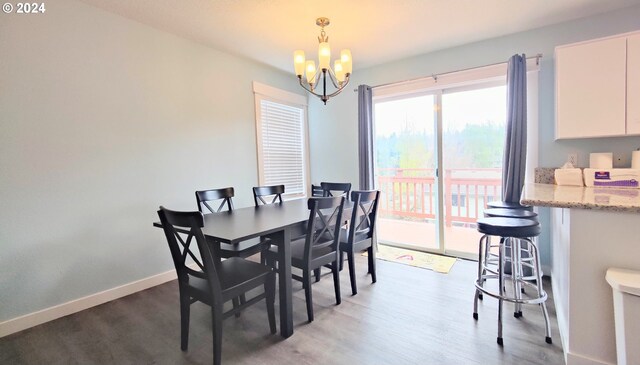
102, 120
336, 124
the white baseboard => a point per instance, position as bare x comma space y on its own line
49, 314
575, 359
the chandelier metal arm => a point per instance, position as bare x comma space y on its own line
334, 80
323, 96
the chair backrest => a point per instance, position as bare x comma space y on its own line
262, 192
335, 189
363, 215
323, 226
181, 228
206, 197
316, 190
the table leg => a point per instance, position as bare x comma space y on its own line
284, 285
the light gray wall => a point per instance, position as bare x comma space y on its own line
102, 120
335, 125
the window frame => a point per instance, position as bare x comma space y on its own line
279, 96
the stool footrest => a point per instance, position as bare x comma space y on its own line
533, 300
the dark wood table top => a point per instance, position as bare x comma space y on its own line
245, 223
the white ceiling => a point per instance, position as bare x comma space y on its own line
376, 31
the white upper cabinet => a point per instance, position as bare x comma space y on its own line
591, 89
633, 84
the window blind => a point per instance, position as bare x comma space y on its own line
281, 136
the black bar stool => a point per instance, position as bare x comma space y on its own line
526, 255
513, 232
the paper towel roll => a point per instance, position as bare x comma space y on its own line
635, 160
601, 160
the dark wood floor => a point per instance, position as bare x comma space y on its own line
411, 316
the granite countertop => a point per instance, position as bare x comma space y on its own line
612, 199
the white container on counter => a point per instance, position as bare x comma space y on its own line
601, 160
569, 177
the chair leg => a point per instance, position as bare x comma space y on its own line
317, 272
270, 290
271, 262
352, 273
306, 283
216, 318
185, 311
372, 263
236, 305
341, 259
336, 281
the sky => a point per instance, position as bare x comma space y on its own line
458, 109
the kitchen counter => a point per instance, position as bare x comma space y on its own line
592, 229
611, 199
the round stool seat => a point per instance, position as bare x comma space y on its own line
508, 227
510, 213
508, 205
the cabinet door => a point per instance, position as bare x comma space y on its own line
590, 89
633, 84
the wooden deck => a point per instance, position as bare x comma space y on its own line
423, 235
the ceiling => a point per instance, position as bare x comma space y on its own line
376, 31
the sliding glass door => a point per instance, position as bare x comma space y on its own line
473, 133
405, 145
438, 162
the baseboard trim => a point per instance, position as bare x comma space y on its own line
49, 314
575, 359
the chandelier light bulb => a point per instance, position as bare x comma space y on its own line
345, 57
299, 62
324, 56
338, 70
311, 71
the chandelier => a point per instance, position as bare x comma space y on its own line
339, 75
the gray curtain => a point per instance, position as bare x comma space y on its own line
365, 137
515, 147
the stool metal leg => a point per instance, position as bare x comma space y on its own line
501, 290
514, 270
518, 273
487, 258
480, 275
545, 313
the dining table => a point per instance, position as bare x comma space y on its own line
278, 222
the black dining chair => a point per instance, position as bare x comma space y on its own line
335, 189
268, 194
216, 281
219, 200
319, 247
331, 189
360, 234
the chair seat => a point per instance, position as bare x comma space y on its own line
245, 248
236, 275
510, 213
360, 242
318, 257
508, 227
